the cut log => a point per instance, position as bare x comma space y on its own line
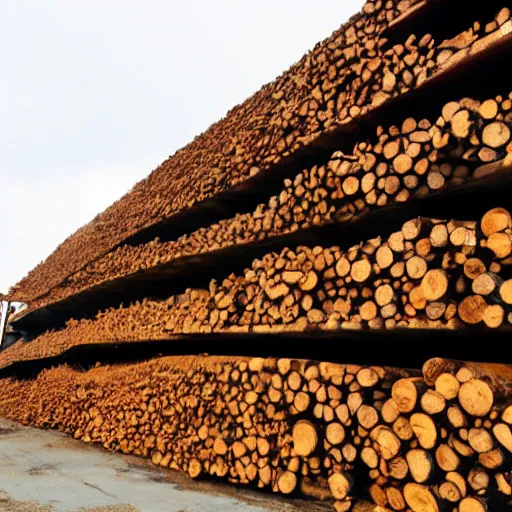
420, 465
494, 221
486, 283
220, 447
471, 504
370, 457
424, 429
476, 397
287, 482
446, 458
420, 498
473, 267
335, 433
387, 443
433, 402
494, 316
471, 310
305, 438
502, 433
310, 281
496, 135
367, 416
340, 485
450, 492
367, 377
446, 384
506, 291
497, 376
194, 468
434, 284
398, 468
390, 411
461, 124
480, 440
405, 393
360, 271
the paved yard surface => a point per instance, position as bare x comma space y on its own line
46, 471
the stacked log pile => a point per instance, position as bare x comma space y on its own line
339, 432
340, 81
469, 141
367, 438
431, 274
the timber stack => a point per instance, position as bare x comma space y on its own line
366, 190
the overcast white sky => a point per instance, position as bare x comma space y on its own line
94, 95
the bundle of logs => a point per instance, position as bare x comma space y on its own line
470, 141
407, 442
430, 274
350, 74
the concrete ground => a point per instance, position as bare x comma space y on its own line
47, 471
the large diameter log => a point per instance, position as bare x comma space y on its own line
424, 429
420, 498
305, 438
406, 392
494, 221
420, 465
497, 376
476, 397
340, 485
287, 482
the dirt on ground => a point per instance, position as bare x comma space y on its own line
47, 471
9, 505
